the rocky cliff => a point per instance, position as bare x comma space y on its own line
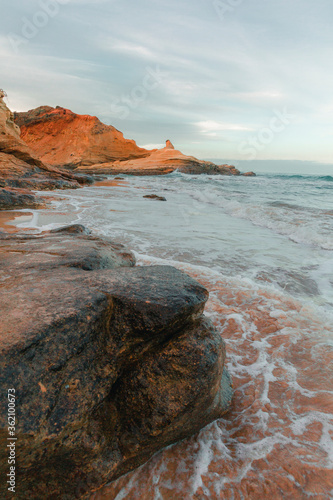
83, 143
66, 139
16, 157
21, 167
109, 362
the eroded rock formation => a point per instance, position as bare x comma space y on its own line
66, 139
160, 162
85, 144
20, 167
19, 198
109, 362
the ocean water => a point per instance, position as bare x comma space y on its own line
263, 247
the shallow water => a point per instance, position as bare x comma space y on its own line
263, 247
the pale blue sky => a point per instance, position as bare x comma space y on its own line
236, 79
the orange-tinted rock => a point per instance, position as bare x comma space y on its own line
20, 167
160, 162
84, 143
169, 145
64, 138
15, 155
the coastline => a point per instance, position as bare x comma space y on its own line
74, 300
69, 280
166, 250
33, 159
272, 346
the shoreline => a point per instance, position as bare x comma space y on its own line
68, 279
266, 326
14, 216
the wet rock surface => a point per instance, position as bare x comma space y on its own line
110, 362
155, 197
19, 198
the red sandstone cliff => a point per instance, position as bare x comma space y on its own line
83, 143
64, 138
21, 167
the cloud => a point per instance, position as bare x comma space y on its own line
224, 76
153, 146
132, 50
209, 126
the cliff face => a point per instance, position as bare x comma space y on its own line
16, 158
64, 138
21, 167
109, 362
83, 143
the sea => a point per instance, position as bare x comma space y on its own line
263, 247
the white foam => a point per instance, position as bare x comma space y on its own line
309, 230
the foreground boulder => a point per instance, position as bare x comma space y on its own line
109, 362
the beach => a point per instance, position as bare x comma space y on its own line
263, 248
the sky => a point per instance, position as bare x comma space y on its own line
240, 79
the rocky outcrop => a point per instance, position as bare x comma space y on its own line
154, 197
20, 167
20, 156
66, 139
84, 144
169, 145
109, 362
161, 162
19, 198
